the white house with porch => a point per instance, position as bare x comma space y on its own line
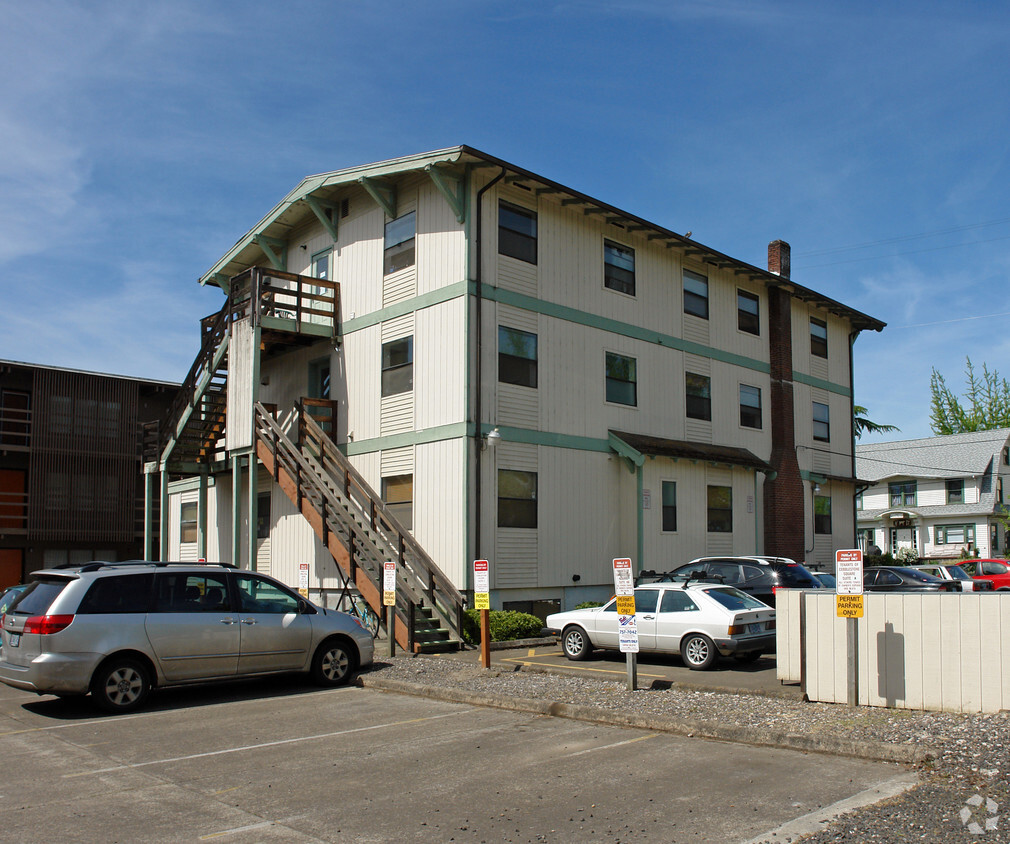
938, 496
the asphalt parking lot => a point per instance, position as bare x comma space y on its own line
282, 761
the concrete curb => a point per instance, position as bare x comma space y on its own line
831, 745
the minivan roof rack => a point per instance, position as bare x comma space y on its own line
97, 565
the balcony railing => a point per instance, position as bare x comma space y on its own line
15, 428
286, 301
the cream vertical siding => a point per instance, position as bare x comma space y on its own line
440, 365
439, 505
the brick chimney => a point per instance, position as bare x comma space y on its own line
778, 258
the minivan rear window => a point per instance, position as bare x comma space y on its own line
39, 596
795, 575
118, 594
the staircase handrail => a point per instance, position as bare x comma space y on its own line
444, 599
214, 328
377, 509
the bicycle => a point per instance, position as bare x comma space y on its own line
365, 614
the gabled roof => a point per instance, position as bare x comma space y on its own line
447, 167
950, 456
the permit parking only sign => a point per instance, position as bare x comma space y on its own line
624, 588
849, 583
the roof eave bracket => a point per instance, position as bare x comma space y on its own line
319, 208
382, 192
635, 459
269, 244
452, 188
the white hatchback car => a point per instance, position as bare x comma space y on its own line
699, 621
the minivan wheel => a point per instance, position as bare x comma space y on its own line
698, 651
333, 663
120, 685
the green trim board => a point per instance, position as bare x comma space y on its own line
830, 386
563, 312
188, 484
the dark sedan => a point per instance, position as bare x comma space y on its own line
903, 579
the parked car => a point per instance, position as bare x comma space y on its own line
120, 630
825, 578
10, 595
964, 581
996, 572
903, 579
698, 620
756, 575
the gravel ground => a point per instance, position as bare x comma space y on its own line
971, 759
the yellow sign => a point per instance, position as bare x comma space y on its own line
389, 599
625, 604
849, 606
482, 600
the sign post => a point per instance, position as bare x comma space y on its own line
627, 625
849, 605
482, 602
389, 602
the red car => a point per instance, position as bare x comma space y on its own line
997, 572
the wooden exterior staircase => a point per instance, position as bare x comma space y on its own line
360, 533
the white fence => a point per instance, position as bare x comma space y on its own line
932, 651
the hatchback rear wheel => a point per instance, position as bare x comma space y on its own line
698, 651
576, 644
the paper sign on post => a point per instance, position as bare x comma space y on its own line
389, 584
481, 585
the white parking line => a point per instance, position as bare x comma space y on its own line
169, 760
608, 746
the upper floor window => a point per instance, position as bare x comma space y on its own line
517, 499
720, 509
750, 406
955, 491
517, 232
747, 318
517, 357
818, 337
618, 267
822, 514
699, 396
695, 294
398, 366
902, 493
822, 422
622, 379
399, 251
669, 505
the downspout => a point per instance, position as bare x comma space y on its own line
852, 416
479, 251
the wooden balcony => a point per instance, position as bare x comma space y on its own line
290, 310
15, 429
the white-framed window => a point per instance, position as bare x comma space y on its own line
398, 252
622, 379
747, 312
398, 493
822, 422
187, 521
818, 337
954, 535
750, 406
517, 232
398, 366
698, 389
955, 490
695, 294
669, 506
619, 267
517, 357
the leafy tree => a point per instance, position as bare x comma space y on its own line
861, 425
986, 403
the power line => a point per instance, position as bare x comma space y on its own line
903, 238
899, 254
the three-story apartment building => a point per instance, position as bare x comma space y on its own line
521, 373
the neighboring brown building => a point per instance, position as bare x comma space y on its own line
71, 482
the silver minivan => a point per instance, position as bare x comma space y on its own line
117, 630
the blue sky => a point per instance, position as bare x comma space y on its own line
140, 140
